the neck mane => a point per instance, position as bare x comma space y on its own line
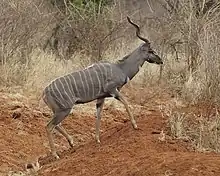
131, 63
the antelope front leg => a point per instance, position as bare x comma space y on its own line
99, 107
121, 98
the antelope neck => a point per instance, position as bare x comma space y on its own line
131, 65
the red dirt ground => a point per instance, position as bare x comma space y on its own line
123, 150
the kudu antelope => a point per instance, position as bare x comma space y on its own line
95, 82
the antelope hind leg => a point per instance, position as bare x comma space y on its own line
62, 131
49, 128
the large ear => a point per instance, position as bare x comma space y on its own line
138, 31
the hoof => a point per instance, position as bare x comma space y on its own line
98, 140
71, 143
135, 126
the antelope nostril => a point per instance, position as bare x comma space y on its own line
161, 62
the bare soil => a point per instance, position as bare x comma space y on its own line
148, 151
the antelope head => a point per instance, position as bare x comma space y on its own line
145, 49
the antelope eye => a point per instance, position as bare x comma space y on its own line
152, 52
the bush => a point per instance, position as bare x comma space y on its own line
22, 26
77, 31
188, 36
84, 26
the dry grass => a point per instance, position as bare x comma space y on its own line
189, 43
42, 68
202, 130
194, 77
33, 76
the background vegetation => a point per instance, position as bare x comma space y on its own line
37, 36
41, 40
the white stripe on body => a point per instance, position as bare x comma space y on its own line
53, 85
90, 66
111, 72
65, 90
58, 89
87, 85
92, 86
97, 75
77, 93
71, 86
105, 70
83, 87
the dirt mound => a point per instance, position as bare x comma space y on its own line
123, 150
23, 137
